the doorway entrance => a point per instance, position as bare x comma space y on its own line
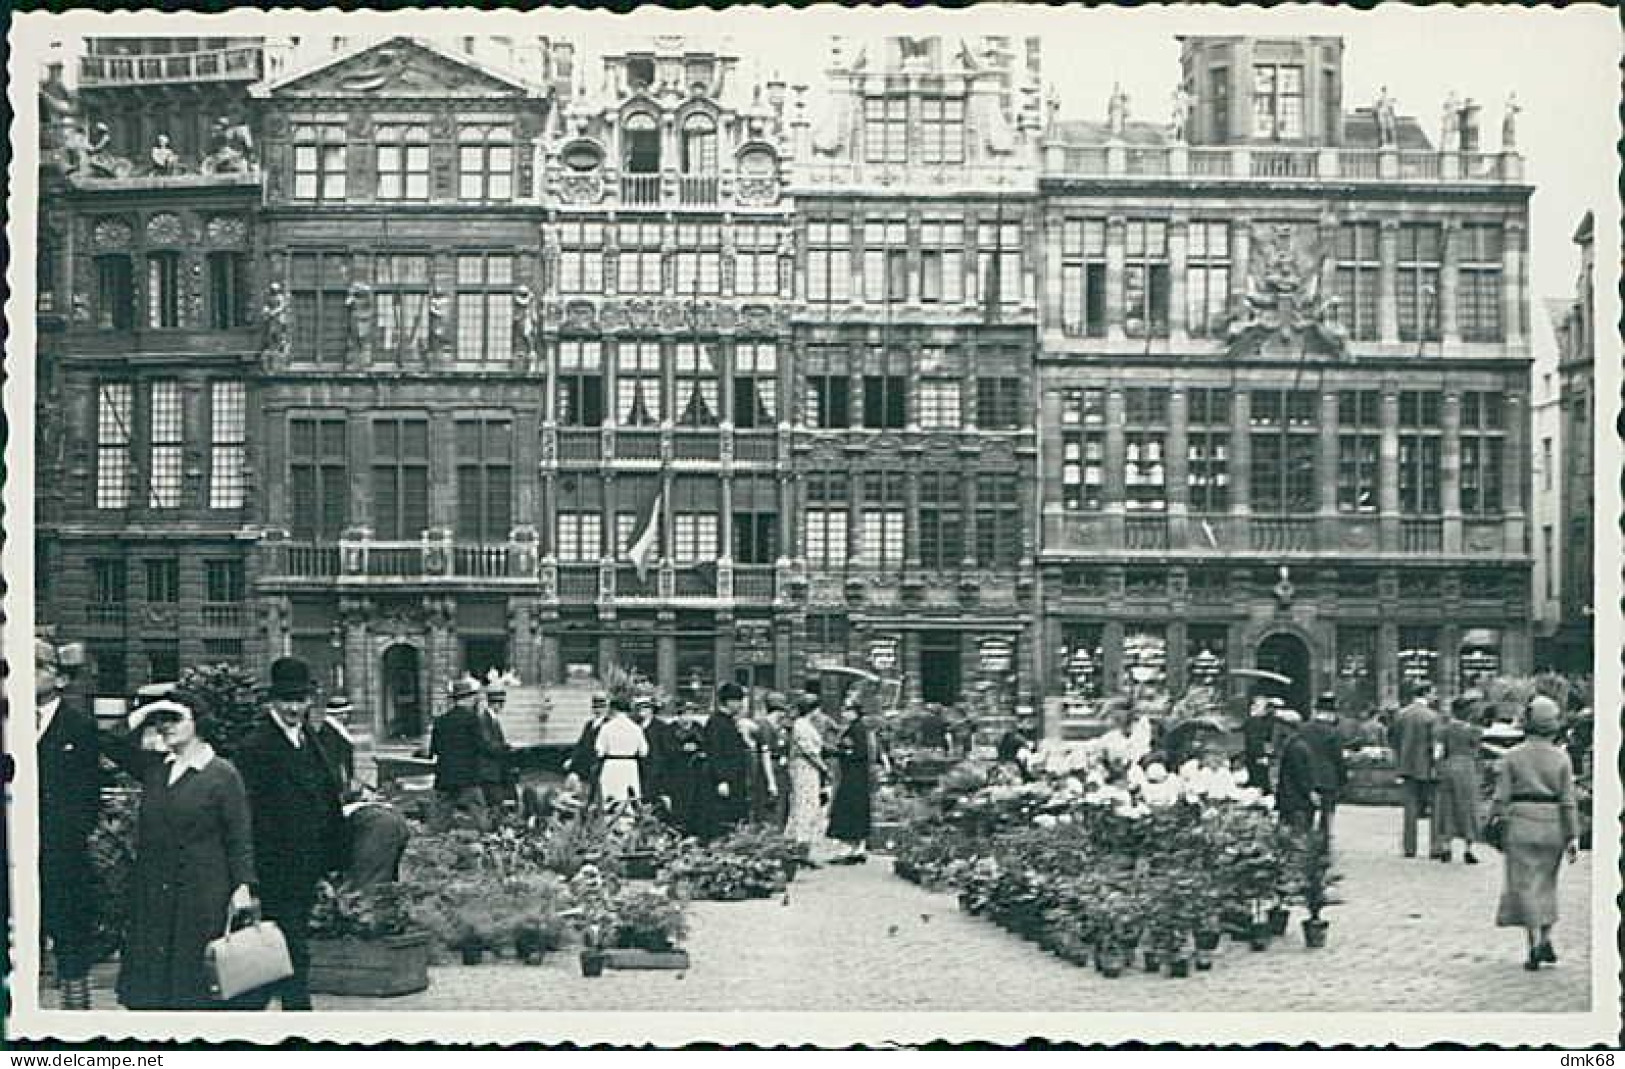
403, 692
940, 667
1286, 654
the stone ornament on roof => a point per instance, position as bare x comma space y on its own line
1283, 305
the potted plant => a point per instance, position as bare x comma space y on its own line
372, 941
474, 930
647, 928
1318, 878
536, 930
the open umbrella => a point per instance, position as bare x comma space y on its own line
1261, 673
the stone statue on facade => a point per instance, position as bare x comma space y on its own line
1179, 119
58, 114
231, 148
1450, 127
524, 328
1387, 124
1117, 111
1283, 305
164, 159
439, 339
93, 155
274, 325
1509, 124
358, 321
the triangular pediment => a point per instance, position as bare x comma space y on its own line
399, 67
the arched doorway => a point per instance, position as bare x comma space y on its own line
1287, 655
403, 692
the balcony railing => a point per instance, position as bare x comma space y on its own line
695, 581
224, 65
698, 190
1421, 536
578, 582
640, 190
1272, 163
581, 445
752, 447
480, 561
1279, 534
223, 615
1282, 163
1210, 162
696, 445
105, 614
1146, 533
753, 582
637, 445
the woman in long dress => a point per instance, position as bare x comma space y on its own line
850, 812
620, 746
1455, 803
1534, 795
809, 778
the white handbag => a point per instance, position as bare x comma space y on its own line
247, 958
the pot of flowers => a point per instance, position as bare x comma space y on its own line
535, 932
369, 941
647, 930
1179, 960
1318, 878
474, 928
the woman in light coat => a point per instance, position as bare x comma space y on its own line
1534, 795
809, 777
620, 747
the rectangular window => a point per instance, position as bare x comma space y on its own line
998, 520
319, 166
1083, 449
885, 260
1420, 451
698, 380
1145, 279
318, 478
939, 404
639, 259
942, 261
581, 384
1284, 441
1483, 429
579, 537
755, 520
318, 286
166, 442
1219, 97
485, 162
401, 301
400, 478
638, 396
164, 290
882, 520
756, 385
163, 580
1083, 278
114, 412
998, 263
1207, 278
829, 402
829, 261
1145, 442
115, 293
1547, 463
942, 521
942, 129
1478, 283
885, 130
1419, 654
998, 404
109, 581
224, 582
885, 402
1359, 447
756, 261
1359, 271
228, 444
694, 537
1418, 281
1277, 101
829, 499
228, 290
1207, 447
484, 479
485, 307
403, 161
581, 257
699, 264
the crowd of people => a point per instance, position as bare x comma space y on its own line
216, 839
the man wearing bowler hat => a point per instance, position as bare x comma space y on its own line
293, 791
69, 803
726, 783
462, 747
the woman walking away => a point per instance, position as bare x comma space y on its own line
1534, 795
194, 862
850, 811
809, 777
1456, 805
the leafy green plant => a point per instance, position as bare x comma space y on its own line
227, 695
649, 920
112, 860
373, 912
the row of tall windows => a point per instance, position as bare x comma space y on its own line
401, 160
141, 437
939, 123
926, 262
643, 397
163, 290
961, 520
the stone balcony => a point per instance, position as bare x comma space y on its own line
708, 448
707, 585
239, 64
1251, 163
667, 190
1266, 537
437, 557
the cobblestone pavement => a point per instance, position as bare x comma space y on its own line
1412, 935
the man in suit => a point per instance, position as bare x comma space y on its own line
1295, 787
69, 804
726, 801
583, 762
293, 792
1257, 737
1412, 740
496, 779
1330, 770
462, 747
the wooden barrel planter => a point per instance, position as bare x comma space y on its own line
1372, 785
393, 965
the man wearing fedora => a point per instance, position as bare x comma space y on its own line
293, 792
1413, 738
69, 803
462, 746
496, 775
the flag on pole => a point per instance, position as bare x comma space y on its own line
645, 545
1212, 539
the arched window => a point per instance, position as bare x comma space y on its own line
642, 144
699, 145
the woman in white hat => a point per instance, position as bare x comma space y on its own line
1534, 796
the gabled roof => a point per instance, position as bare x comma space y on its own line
398, 66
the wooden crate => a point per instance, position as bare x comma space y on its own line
394, 965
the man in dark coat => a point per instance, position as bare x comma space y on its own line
69, 803
496, 762
659, 766
1331, 771
1257, 737
1412, 740
1295, 790
461, 747
299, 837
726, 801
583, 762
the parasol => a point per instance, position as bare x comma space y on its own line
1260, 673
